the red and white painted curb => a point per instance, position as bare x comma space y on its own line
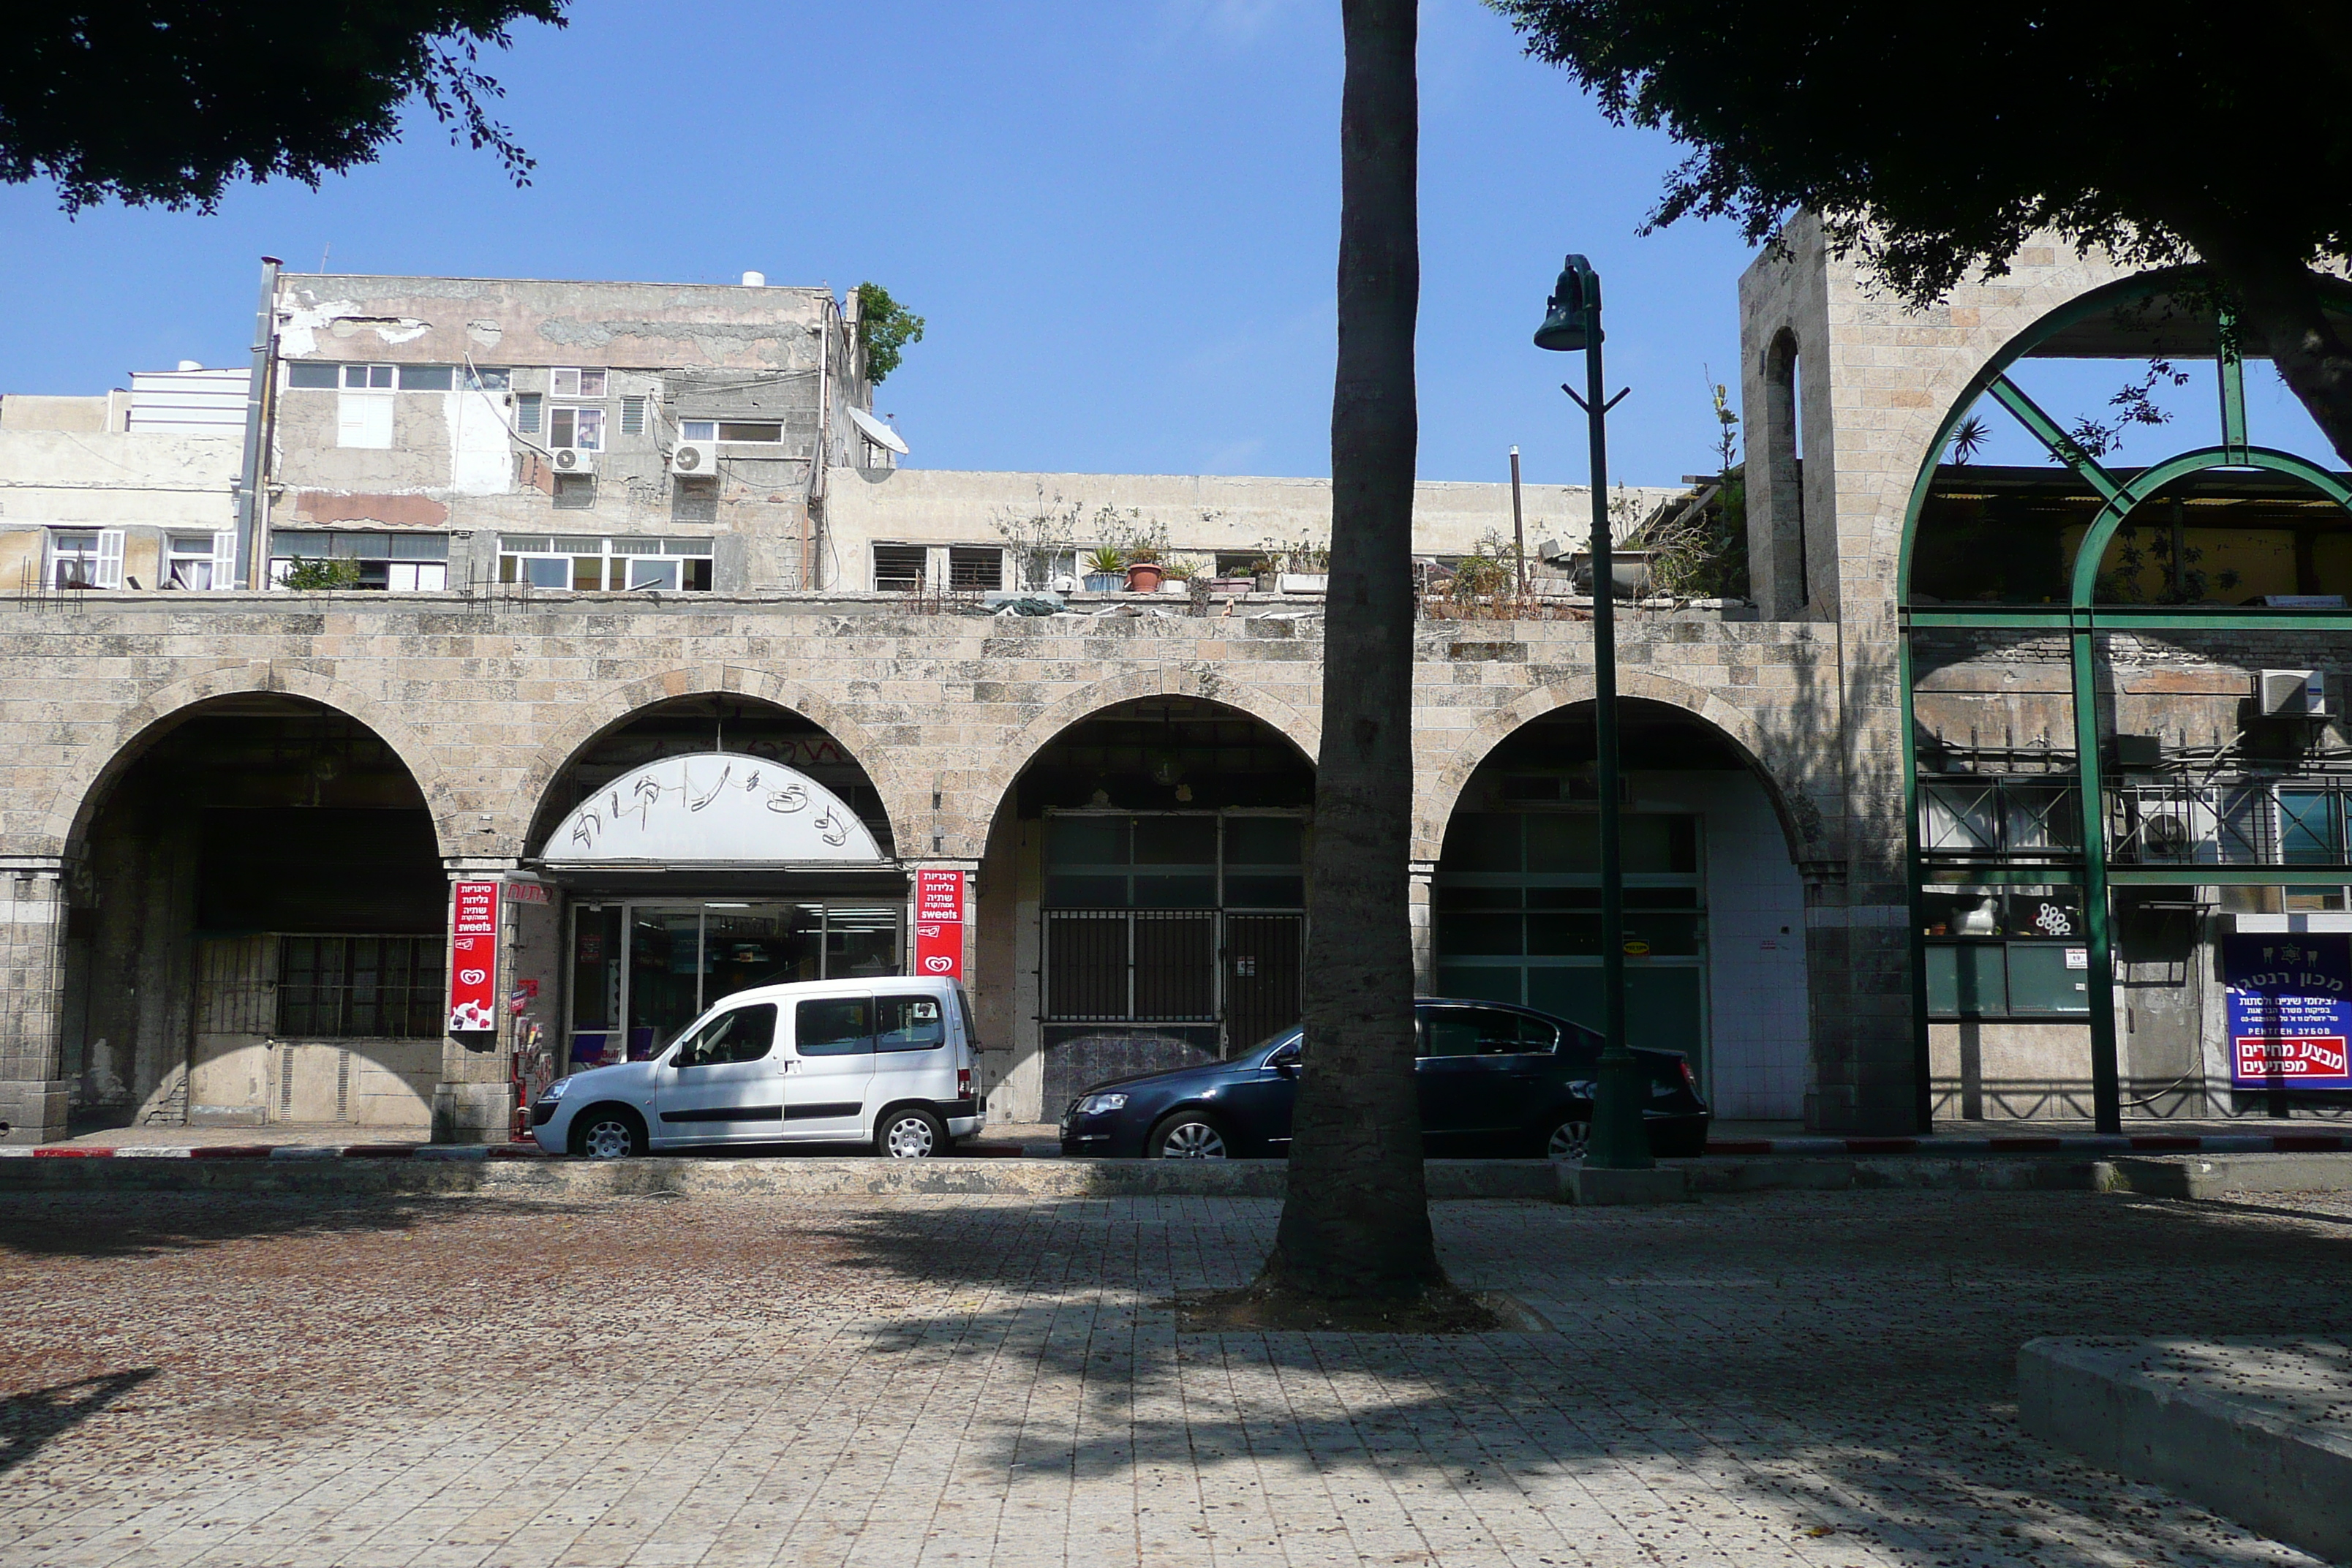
2043, 1143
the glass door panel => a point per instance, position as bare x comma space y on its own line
665, 975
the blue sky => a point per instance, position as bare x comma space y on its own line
1119, 220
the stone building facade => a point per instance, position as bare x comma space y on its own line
234, 818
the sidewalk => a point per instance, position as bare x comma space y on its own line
1790, 1381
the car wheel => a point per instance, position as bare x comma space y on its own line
912, 1134
608, 1134
1188, 1135
1569, 1143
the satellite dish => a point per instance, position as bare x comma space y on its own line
874, 430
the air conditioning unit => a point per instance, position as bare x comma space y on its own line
694, 459
571, 460
2174, 831
2292, 693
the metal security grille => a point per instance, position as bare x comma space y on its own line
1132, 966
358, 987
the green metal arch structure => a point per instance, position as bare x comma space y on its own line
2082, 620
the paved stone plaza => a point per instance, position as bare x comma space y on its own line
1816, 1379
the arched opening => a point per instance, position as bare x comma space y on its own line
256, 932
704, 846
1150, 863
2124, 568
1785, 583
1715, 926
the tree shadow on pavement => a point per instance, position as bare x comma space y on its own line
1803, 1365
134, 1223
29, 1421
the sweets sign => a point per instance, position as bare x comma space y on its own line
2290, 1010
473, 958
939, 924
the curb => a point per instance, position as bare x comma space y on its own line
2214, 1438
1815, 1148
2051, 1143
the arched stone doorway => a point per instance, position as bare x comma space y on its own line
1716, 955
256, 931
700, 847
1145, 880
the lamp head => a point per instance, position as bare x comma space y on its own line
1577, 293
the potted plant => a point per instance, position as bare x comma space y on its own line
1144, 571
1267, 572
1178, 574
1105, 564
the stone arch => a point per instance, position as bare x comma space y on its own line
1443, 780
1301, 730
137, 730
617, 705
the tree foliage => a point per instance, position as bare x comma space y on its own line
1934, 144
165, 103
884, 327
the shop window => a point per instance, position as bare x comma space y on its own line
2006, 952
898, 568
568, 383
974, 569
358, 987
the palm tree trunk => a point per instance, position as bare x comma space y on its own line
1355, 1223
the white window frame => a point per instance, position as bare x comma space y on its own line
367, 378
579, 417
698, 430
104, 556
575, 381
216, 553
751, 441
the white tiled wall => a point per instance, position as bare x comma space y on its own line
1757, 1011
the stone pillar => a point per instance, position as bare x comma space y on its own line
1419, 908
32, 999
473, 1101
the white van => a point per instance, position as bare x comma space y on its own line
891, 1063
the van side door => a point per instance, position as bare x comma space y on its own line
724, 1083
833, 1069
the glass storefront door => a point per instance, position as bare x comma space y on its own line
642, 971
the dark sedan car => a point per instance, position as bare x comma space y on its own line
1495, 1080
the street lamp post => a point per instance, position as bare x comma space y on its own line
1572, 321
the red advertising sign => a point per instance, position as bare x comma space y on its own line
474, 958
939, 924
